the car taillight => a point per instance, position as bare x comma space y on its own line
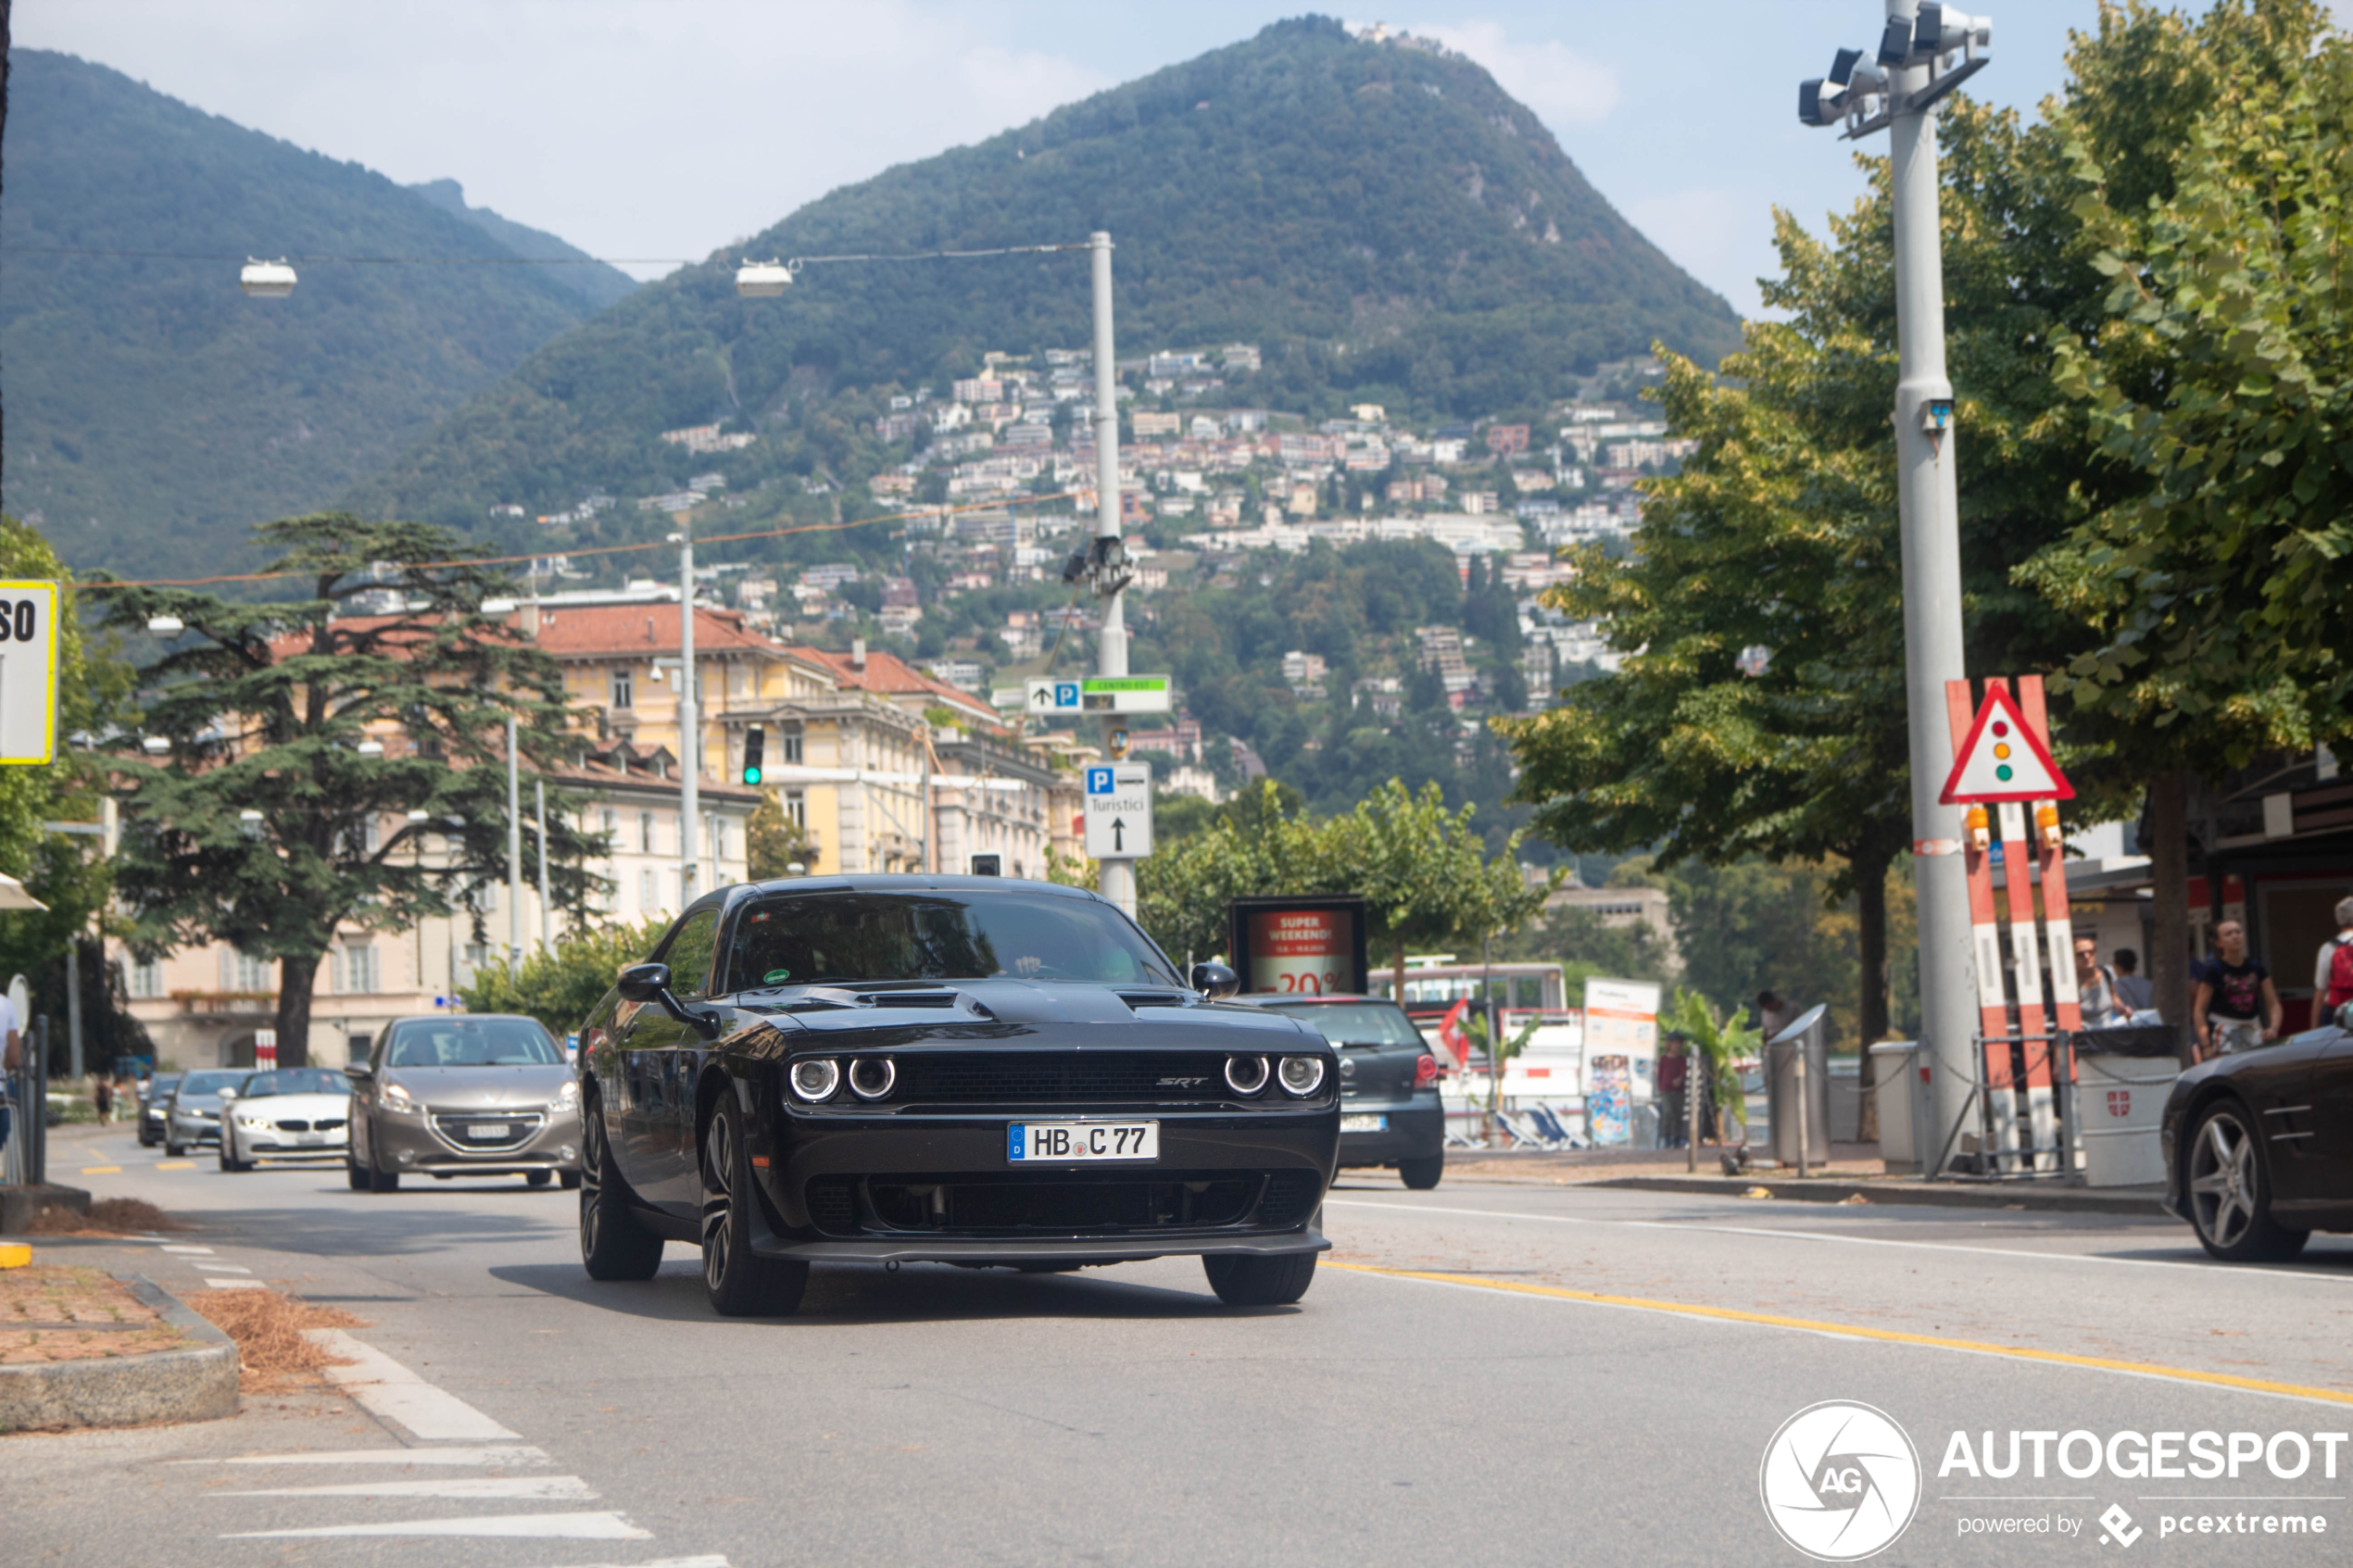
1424, 1069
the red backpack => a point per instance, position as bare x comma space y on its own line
2340, 976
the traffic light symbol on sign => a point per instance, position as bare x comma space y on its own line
755, 753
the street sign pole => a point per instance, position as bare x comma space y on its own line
1116, 878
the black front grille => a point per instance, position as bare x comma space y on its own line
1024, 1078
977, 1205
329, 1126
294, 1127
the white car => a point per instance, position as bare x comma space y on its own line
287, 1113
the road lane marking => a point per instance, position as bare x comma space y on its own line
1777, 1233
175, 1165
1857, 1331
194, 1251
384, 1388
236, 1285
545, 1526
387, 1456
224, 1268
522, 1488
709, 1560
102, 1170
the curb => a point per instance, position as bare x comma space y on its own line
2131, 1203
198, 1383
19, 1205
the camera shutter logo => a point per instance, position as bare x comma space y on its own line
1840, 1480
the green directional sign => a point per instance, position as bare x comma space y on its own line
1124, 694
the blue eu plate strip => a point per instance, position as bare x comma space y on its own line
1012, 1141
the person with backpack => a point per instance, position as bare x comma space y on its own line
2096, 986
2333, 972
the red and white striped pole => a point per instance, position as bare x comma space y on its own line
1985, 940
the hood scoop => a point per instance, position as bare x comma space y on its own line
1142, 999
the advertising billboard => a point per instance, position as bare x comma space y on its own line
1311, 946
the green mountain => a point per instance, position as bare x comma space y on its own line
1382, 219
592, 280
153, 412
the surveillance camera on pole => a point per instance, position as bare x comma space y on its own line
1925, 51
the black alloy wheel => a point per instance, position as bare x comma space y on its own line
2229, 1190
741, 1283
354, 1174
174, 1150
1260, 1282
379, 1179
612, 1244
1422, 1174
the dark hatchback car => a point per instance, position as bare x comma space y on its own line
961, 1070
155, 1107
2258, 1145
1389, 1113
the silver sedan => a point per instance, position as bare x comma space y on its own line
464, 1095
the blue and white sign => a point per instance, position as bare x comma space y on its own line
1099, 781
1053, 697
1119, 812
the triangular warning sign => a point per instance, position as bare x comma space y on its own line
2003, 759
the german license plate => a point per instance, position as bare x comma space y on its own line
1363, 1123
308, 1140
485, 1129
1063, 1142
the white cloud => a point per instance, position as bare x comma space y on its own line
631, 130
1562, 86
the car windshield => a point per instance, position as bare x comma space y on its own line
867, 937
164, 1084
1355, 1024
295, 1081
472, 1042
209, 1082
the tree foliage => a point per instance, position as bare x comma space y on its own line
263, 827
560, 986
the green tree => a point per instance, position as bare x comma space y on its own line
774, 842
1425, 873
561, 986
263, 827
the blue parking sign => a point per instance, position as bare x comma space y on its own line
1099, 781
1065, 693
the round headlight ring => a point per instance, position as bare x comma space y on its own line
815, 1078
871, 1077
1300, 1075
1246, 1075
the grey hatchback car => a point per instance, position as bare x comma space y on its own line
1389, 1111
193, 1114
464, 1095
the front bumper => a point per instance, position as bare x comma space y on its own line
431, 1142
191, 1131
254, 1143
1416, 1131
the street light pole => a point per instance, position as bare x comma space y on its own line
1925, 51
539, 795
1116, 878
514, 847
689, 763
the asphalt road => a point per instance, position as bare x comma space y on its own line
1596, 1378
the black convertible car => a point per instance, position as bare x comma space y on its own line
2258, 1145
961, 1070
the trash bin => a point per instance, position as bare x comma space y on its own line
1807, 1035
1900, 1086
2121, 1098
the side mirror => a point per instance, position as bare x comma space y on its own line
1215, 981
228, 1095
644, 982
2345, 1018
359, 1073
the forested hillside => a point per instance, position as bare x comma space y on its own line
1382, 220
154, 412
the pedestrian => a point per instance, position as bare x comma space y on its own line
2095, 987
1772, 1013
2237, 1007
2132, 988
11, 1052
2333, 970
102, 1097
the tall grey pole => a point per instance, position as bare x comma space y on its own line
539, 795
1929, 507
73, 1005
1116, 879
690, 729
514, 847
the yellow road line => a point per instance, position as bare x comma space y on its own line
175, 1164
102, 1170
1856, 1331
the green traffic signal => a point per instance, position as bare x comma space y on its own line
755, 753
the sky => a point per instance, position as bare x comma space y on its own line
666, 128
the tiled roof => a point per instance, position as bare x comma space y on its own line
889, 675
585, 630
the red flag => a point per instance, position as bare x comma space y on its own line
1450, 1031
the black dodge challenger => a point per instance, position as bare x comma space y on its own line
960, 1069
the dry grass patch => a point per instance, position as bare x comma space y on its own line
108, 1216
51, 1312
272, 1355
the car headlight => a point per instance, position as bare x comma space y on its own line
209, 1115
253, 1123
567, 1098
398, 1098
1300, 1075
815, 1078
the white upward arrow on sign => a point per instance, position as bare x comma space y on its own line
2003, 759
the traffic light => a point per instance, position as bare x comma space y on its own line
755, 753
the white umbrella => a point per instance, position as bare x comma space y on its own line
14, 896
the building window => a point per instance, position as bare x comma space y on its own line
646, 832
623, 689
356, 971
611, 820
143, 980
790, 740
483, 897
242, 971
647, 901
472, 959
797, 807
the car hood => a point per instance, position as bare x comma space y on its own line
296, 1106
1047, 1012
483, 1088
197, 1103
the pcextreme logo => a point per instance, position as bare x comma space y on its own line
1840, 1480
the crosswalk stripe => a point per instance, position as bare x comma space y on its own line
224, 1268
388, 1456
550, 1526
236, 1285
527, 1488
189, 1251
708, 1560
384, 1388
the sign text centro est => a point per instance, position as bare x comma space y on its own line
1098, 693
